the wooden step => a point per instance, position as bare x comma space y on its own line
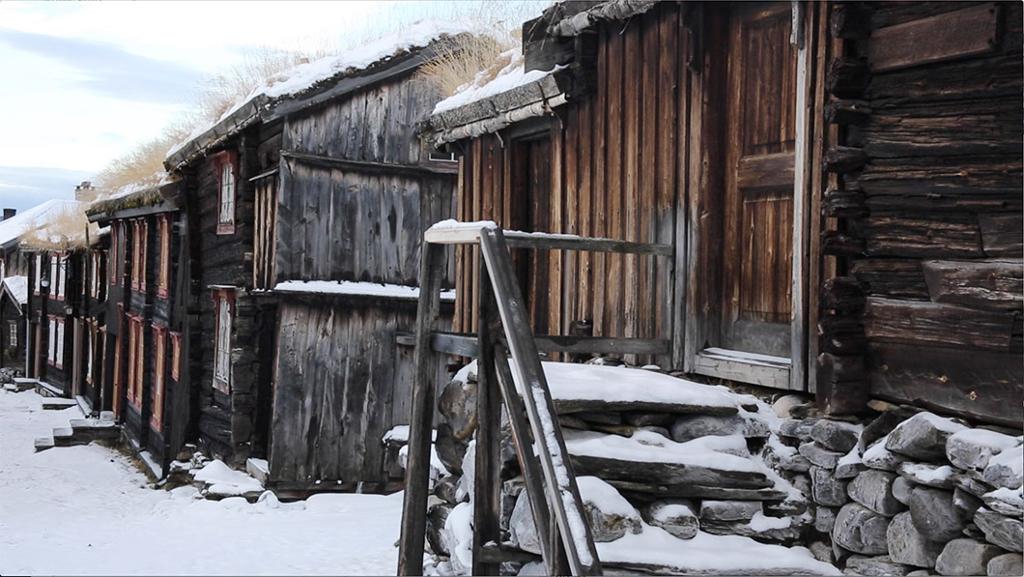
58, 404
24, 384
44, 389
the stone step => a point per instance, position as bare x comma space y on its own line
58, 403
43, 443
44, 389
24, 384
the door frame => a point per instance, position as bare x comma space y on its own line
699, 241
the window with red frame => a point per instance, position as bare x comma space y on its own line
136, 361
159, 367
227, 176
163, 279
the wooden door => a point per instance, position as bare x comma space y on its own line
530, 201
760, 131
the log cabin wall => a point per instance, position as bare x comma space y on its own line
615, 166
357, 189
928, 192
219, 262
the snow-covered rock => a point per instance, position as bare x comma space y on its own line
971, 449
923, 437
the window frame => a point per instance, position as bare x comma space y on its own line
38, 285
140, 248
224, 309
60, 284
12, 334
226, 163
159, 377
175, 356
136, 360
163, 279
55, 342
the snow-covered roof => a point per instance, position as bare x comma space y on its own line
356, 288
17, 287
485, 84
310, 76
498, 96
14, 228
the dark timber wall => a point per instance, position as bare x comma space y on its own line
357, 190
227, 423
929, 103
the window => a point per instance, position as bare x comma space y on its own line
12, 334
176, 356
53, 276
97, 275
39, 273
59, 286
222, 345
140, 229
115, 252
163, 228
159, 367
90, 336
226, 176
55, 346
136, 361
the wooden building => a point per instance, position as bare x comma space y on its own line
841, 184
133, 335
13, 302
306, 210
53, 244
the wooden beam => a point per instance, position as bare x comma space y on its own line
487, 470
417, 474
466, 345
532, 385
465, 234
368, 167
743, 367
969, 32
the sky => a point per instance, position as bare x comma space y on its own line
84, 83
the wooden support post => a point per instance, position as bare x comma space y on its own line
417, 472
487, 481
532, 385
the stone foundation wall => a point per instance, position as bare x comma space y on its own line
898, 493
910, 493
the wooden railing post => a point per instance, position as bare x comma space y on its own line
487, 481
532, 386
417, 471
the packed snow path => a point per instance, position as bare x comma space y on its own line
86, 510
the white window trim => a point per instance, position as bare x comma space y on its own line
39, 273
222, 346
226, 211
12, 333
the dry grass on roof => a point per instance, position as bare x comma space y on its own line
462, 58
64, 230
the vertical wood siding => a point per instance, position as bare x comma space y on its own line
614, 172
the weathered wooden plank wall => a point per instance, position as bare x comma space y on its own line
930, 189
614, 172
341, 383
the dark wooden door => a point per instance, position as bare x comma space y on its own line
760, 134
531, 198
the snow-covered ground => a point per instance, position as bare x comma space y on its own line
86, 510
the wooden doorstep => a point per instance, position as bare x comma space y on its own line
744, 367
